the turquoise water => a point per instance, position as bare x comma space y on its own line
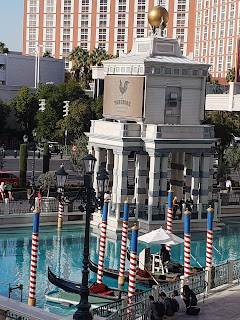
64, 255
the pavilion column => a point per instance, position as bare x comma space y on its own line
174, 172
180, 180
115, 181
163, 179
188, 176
141, 172
204, 178
122, 180
102, 159
109, 167
153, 189
195, 177
96, 168
210, 182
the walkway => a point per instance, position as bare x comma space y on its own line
221, 304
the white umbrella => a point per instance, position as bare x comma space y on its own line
161, 236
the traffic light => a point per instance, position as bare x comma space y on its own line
42, 105
66, 108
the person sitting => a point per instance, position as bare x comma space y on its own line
157, 309
189, 296
167, 304
181, 303
175, 207
2, 189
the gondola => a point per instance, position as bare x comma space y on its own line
74, 287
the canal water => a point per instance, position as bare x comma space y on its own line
63, 254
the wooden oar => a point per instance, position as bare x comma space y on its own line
149, 273
219, 253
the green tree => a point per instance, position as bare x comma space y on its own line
81, 66
48, 180
3, 48
230, 77
4, 111
26, 106
97, 107
79, 119
97, 56
76, 159
47, 54
233, 158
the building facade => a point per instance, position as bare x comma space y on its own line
207, 29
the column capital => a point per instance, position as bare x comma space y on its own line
196, 154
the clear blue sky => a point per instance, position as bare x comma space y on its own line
11, 31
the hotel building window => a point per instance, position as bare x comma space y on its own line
121, 35
140, 33
50, 6
103, 5
196, 49
122, 6
213, 33
141, 6
206, 17
211, 62
120, 47
141, 20
180, 34
102, 34
198, 32
206, 3
214, 15
49, 20
33, 7
66, 48
229, 62
85, 5
198, 18
67, 20
232, 11
66, 35
223, 13
221, 46
67, 6
215, 2
48, 46
199, 5
31, 47
222, 30
230, 45
84, 35
220, 63
32, 20
204, 49
121, 20
32, 34
212, 49
102, 20
181, 6
49, 34
231, 28
102, 45
84, 20
181, 17
205, 33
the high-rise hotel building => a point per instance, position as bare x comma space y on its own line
207, 29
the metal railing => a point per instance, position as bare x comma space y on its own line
12, 287
220, 275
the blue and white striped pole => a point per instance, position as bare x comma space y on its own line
187, 243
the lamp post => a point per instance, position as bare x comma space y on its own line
61, 177
83, 311
25, 138
34, 133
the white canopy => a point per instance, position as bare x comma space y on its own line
161, 236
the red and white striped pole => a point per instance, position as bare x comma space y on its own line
187, 243
133, 265
121, 277
170, 214
102, 242
60, 212
210, 213
34, 258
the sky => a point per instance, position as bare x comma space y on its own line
11, 31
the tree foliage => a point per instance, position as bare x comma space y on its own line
23, 164
3, 48
230, 77
48, 180
233, 158
76, 159
47, 54
4, 112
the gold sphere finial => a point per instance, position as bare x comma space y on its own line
158, 18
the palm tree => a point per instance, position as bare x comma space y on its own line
47, 54
97, 56
80, 57
230, 77
3, 48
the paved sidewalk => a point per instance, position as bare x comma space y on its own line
222, 304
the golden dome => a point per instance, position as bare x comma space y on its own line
157, 15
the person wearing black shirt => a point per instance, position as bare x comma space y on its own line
189, 296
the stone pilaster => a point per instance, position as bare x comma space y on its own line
204, 178
195, 177
141, 172
163, 179
188, 176
153, 189
122, 180
96, 168
109, 167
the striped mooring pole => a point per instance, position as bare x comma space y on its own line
210, 213
34, 258
60, 211
187, 243
133, 264
102, 242
124, 243
170, 214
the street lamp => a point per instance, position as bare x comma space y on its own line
61, 177
34, 134
25, 138
83, 311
